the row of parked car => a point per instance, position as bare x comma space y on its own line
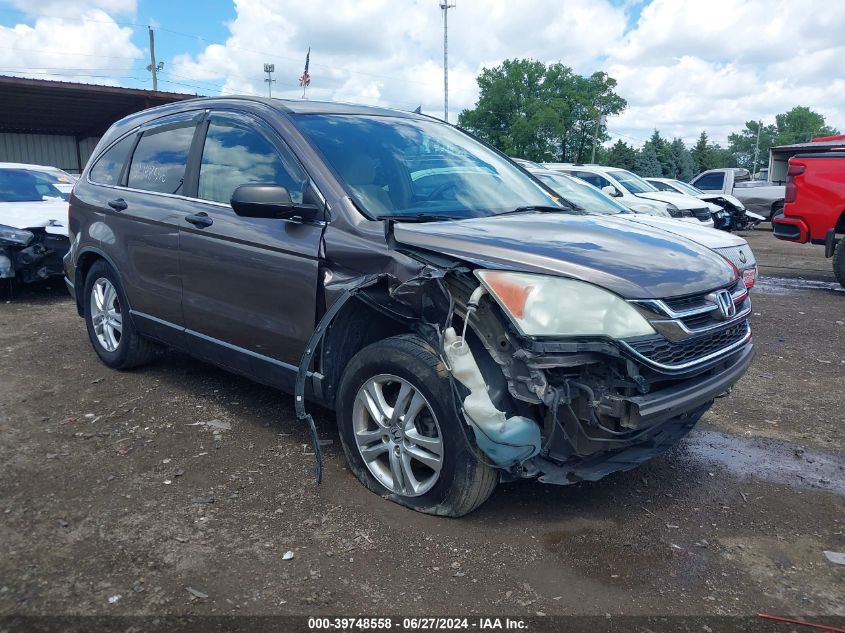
669, 197
469, 321
662, 203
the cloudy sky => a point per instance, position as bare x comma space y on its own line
683, 65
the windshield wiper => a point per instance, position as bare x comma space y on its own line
419, 217
546, 208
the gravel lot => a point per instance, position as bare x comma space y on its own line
106, 480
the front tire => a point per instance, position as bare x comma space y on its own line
109, 325
401, 434
839, 262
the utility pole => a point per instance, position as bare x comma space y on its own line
756, 149
269, 69
600, 119
153, 67
445, 6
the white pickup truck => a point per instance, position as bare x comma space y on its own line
758, 196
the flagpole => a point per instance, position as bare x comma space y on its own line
305, 79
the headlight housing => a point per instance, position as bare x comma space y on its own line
543, 305
11, 235
674, 211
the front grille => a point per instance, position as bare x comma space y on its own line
660, 350
696, 312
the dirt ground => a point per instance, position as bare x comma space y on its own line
116, 499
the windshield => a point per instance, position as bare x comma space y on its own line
396, 167
582, 194
631, 182
29, 185
686, 188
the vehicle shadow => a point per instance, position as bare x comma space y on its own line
40, 293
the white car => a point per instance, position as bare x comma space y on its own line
639, 196
33, 221
586, 197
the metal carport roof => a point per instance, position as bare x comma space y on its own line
40, 106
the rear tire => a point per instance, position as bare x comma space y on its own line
839, 262
405, 369
109, 325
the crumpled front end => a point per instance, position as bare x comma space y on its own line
30, 255
602, 405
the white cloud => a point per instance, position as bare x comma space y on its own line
683, 66
712, 65
84, 45
389, 52
71, 7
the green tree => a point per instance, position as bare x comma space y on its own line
702, 154
685, 167
743, 143
799, 125
647, 163
668, 164
545, 113
621, 155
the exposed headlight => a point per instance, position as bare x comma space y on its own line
675, 212
15, 236
542, 305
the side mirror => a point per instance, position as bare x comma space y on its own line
270, 201
611, 191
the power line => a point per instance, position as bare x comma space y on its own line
63, 53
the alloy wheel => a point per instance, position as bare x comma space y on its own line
106, 316
398, 435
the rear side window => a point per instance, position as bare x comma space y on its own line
235, 155
593, 179
107, 169
711, 181
159, 161
661, 185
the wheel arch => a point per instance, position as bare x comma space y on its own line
84, 261
357, 325
839, 227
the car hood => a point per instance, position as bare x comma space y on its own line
712, 197
633, 260
50, 214
680, 200
699, 234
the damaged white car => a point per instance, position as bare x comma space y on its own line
33, 221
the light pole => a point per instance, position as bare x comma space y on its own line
153, 67
269, 69
445, 6
756, 149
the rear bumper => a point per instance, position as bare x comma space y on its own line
790, 229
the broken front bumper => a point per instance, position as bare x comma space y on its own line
600, 427
39, 259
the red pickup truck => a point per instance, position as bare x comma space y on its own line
814, 209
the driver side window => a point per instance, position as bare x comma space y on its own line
235, 155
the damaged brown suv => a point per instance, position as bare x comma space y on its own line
466, 325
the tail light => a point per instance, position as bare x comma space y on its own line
791, 189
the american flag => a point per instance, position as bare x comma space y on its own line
305, 79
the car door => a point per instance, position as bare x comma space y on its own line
249, 285
143, 216
713, 182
